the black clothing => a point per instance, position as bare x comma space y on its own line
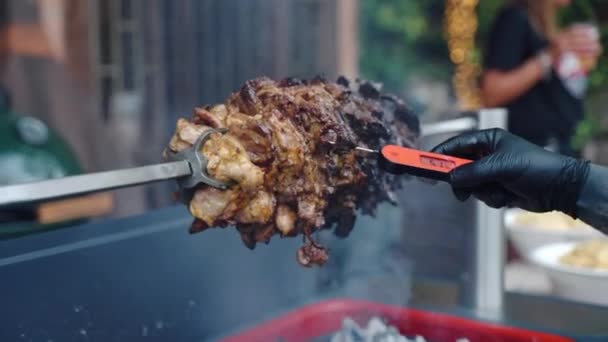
547, 111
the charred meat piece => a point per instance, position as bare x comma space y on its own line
289, 152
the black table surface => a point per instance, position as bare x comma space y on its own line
145, 278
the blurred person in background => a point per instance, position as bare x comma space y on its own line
539, 71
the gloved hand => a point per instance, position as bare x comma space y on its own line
509, 171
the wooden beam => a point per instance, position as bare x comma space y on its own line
52, 18
281, 38
25, 40
347, 33
75, 208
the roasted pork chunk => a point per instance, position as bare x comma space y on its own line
289, 153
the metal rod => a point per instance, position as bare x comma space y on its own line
358, 148
364, 149
449, 126
490, 240
93, 182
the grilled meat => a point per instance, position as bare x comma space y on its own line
289, 152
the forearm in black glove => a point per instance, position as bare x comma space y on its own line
592, 204
509, 171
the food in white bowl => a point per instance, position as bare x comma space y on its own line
529, 231
574, 277
554, 221
589, 254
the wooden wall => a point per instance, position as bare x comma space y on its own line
213, 46
46, 69
133, 66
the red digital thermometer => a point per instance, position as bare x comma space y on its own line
398, 160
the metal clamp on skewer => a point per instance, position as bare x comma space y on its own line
198, 163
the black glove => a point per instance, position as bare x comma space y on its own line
509, 171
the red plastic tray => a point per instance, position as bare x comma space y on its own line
325, 318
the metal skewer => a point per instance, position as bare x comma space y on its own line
188, 166
359, 148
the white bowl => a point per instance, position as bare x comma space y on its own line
527, 236
575, 283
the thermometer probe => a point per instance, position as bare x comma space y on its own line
398, 160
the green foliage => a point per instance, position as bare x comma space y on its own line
402, 38
589, 11
587, 129
593, 11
